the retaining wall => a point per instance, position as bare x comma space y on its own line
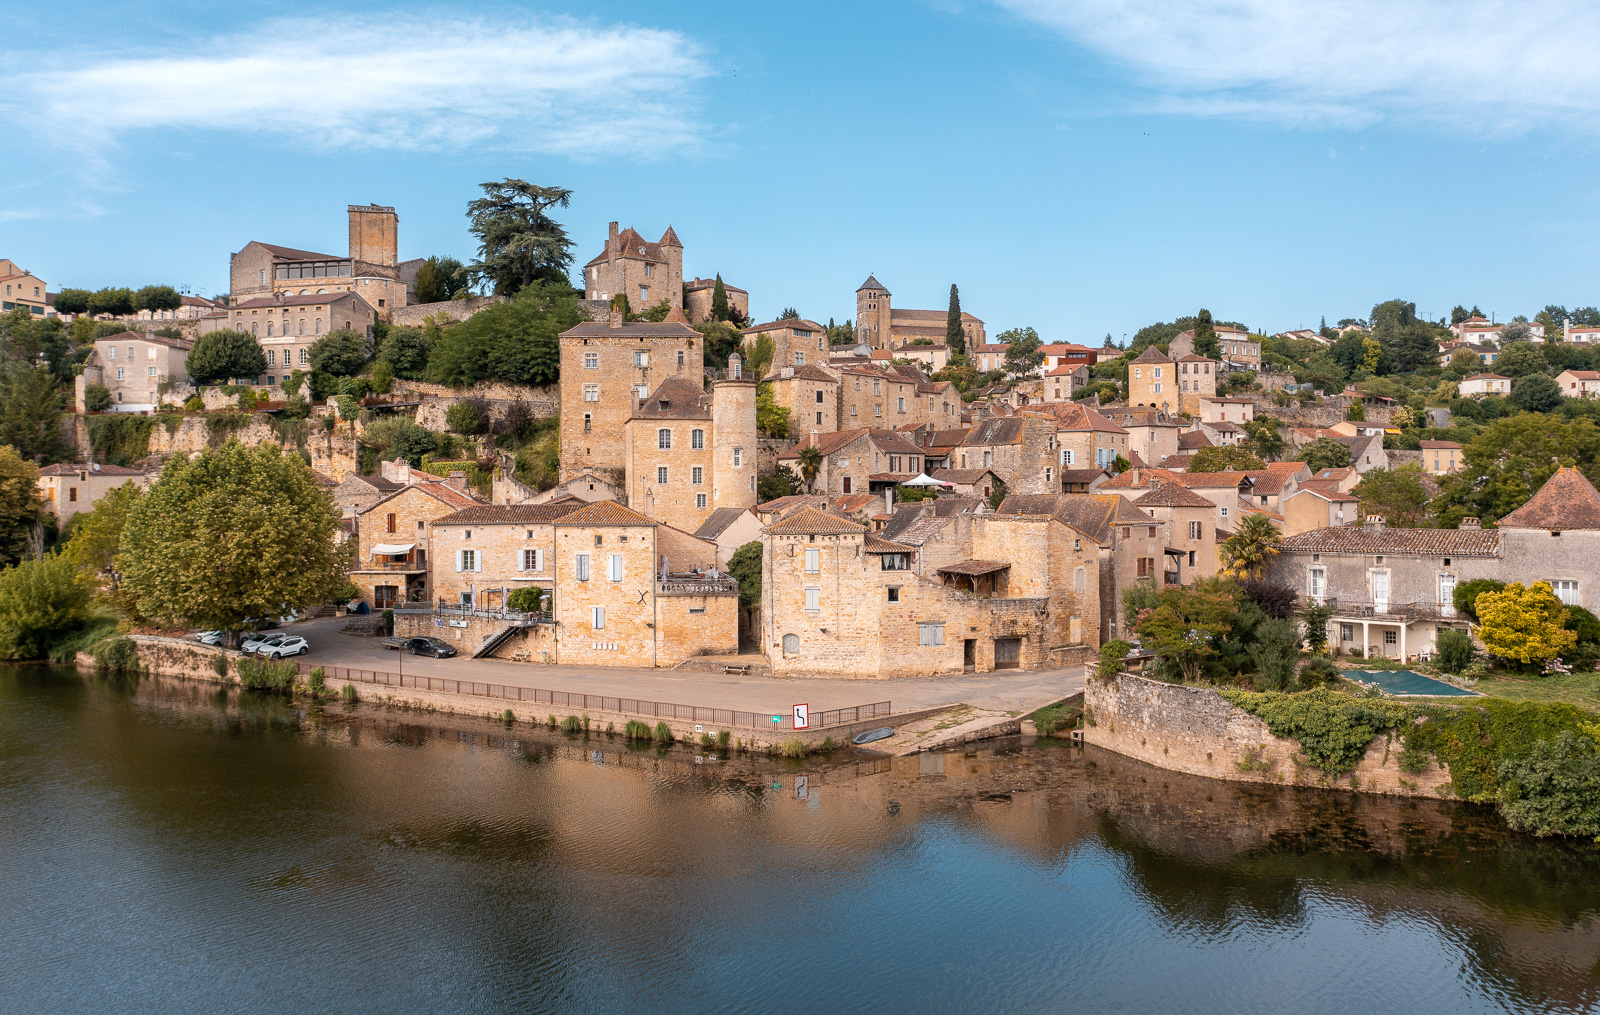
1195, 730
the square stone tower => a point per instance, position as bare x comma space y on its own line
374, 235
872, 313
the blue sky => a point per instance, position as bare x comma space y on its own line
1081, 166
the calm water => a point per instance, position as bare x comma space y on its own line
168, 848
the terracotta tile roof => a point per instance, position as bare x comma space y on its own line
802, 373
873, 544
1093, 514
1194, 440
68, 469
810, 521
1134, 479
1077, 416
295, 300
1173, 495
605, 512
146, 336
1180, 461
891, 477
1082, 475
1566, 501
849, 502
1325, 488
511, 514
1448, 445
1358, 539
1196, 358
675, 398
295, 254
780, 504
631, 244
961, 477
975, 567
913, 528
788, 322
709, 283
948, 438
1212, 480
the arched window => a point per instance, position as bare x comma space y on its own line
269, 329
664, 439
302, 325
319, 325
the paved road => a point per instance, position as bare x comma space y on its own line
1007, 690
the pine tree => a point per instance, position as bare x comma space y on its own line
1205, 335
952, 325
719, 301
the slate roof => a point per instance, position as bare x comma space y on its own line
872, 283
631, 244
511, 514
1358, 539
1173, 495
810, 521
1152, 355
675, 398
719, 522
605, 512
1566, 501
641, 329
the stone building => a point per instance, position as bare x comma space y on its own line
1442, 457
287, 326
1022, 450
811, 394
1191, 550
485, 552
729, 529
795, 343
1216, 409
372, 269
394, 540
838, 599
699, 294
894, 397
631, 591
1555, 537
67, 489
606, 368
1158, 381
688, 452
21, 288
1085, 438
882, 327
1235, 347
858, 461
134, 366
1153, 434
647, 273
1318, 504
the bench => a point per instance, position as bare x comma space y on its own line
737, 669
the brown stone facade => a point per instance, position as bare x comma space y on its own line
688, 456
698, 296
874, 397
647, 273
811, 395
404, 518
605, 370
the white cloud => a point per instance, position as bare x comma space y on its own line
1477, 65
388, 82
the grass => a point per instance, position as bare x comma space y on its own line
637, 730
572, 724
1581, 689
794, 747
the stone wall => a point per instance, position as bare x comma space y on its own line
333, 452
416, 315
1319, 416
1194, 730
767, 451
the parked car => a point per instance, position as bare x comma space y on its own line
277, 648
255, 642
435, 647
209, 637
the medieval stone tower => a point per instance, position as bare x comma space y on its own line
872, 314
733, 429
374, 235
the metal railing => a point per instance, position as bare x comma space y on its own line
1345, 609
776, 720
444, 609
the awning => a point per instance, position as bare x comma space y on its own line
974, 568
923, 479
393, 549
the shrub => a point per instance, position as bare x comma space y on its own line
1333, 729
1455, 650
266, 674
723, 736
1275, 651
572, 724
464, 418
1111, 655
194, 403
1276, 600
1584, 624
96, 397
663, 733
526, 599
219, 665
115, 655
636, 730
1318, 671
1055, 717
388, 622
706, 740
40, 600
382, 377
349, 693
794, 747
318, 681
1554, 789
1466, 594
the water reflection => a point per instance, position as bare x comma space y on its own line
170, 844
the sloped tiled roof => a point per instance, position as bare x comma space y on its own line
1092, 514
802, 373
1448, 445
1358, 539
1152, 355
295, 300
872, 283
68, 469
1566, 501
147, 336
974, 567
874, 544
605, 512
788, 322
511, 514
961, 477
1173, 495
640, 329
675, 398
810, 521
1194, 440
719, 522
296, 254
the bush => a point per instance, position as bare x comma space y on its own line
115, 655
382, 377
1318, 671
194, 403
318, 681
663, 733
794, 747
40, 601
96, 397
266, 674
388, 623
1112, 654
636, 730
355, 387
1276, 601
1554, 789
526, 599
1333, 729
1585, 624
1455, 650
1055, 717
464, 418
349, 693
219, 665
723, 736
1466, 595
1275, 651
572, 724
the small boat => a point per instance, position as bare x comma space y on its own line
872, 736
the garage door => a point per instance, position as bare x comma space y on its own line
1007, 653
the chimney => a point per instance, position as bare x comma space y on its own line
888, 500
611, 243
457, 481
397, 471
1471, 523
1374, 523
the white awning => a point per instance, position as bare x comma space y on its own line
393, 548
923, 479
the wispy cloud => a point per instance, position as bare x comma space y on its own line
400, 83
1478, 65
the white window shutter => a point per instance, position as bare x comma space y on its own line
520, 561
458, 560
538, 560
477, 561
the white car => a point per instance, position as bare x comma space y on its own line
277, 648
255, 642
208, 637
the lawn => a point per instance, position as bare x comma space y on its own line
1581, 689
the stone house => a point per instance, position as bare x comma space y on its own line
940, 530
394, 541
1479, 385
1277, 481
372, 269
700, 293
287, 326
795, 343
1229, 491
485, 552
688, 452
1086, 438
1063, 383
930, 356
729, 528
68, 489
938, 446
647, 273
1216, 409
1555, 537
631, 591
1193, 440
1022, 450
1152, 434
881, 326
838, 599
1176, 385
21, 288
1223, 435
1579, 383
1442, 457
811, 394
1191, 549
356, 493
1318, 504
134, 366
858, 461
1234, 346
893, 397
968, 482
606, 369
1366, 452
585, 486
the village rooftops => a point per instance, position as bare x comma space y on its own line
69, 469
668, 328
512, 514
807, 372
809, 521
719, 521
1152, 354
675, 398
1360, 540
974, 568
603, 513
1566, 501
875, 544
1092, 514
1172, 495
1194, 440
887, 441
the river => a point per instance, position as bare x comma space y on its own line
169, 847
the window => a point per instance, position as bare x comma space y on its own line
1224, 512
153, 373
1195, 530
813, 600
302, 325
591, 361
1319, 583
664, 439
700, 501
819, 397
799, 359
641, 359
894, 594
649, 271
738, 457
72, 493
597, 617
896, 561
304, 357
696, 475
697, 440
533, 560
614, 567
588, 423
680, 363
271, 353
391, 521
269, 330
1078, 581
877, 410
819, 419
1347, 632
640, 391
119, 373
813, 561
1566, 591
1155, 372
1389, 638
583, 567
930, 635
591, 392
902, 403
847, 484
1068, 456
644, 295
263, 276
467, 560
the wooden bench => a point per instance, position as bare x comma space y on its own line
738, 669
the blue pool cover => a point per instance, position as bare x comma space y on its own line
1406, 682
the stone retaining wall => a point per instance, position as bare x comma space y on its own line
1320, 416
1195, 730
333, 452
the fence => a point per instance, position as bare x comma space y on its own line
776, 720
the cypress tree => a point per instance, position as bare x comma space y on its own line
719, 300
952, 325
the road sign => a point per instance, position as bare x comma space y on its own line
802, 717
777, 718
802, 787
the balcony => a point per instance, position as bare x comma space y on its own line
1398, 612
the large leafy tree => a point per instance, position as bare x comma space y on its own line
1520, 360
515, 341
440, 279
406, 350
31, 403
952, 324
1324, 453
112, 300
73, 301
1408, 342
40, 600
745, 566
1397, 494
1224, 459
222, 354
21, 509
1205, 335
1254, 543
94, 538
1184, 627
1024, 354
719, 300
1526, 624
232, 535
518, 242
1510, 459
341, 353
157, 298
1535, 393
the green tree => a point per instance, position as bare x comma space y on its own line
1264, 440
157, 298
440, 279
221, 355
1254, 543
1397, 494
32, 401
997, 496
342, 353
1455, 650
1514, 332
1224, 459
1324, 453
1510, 459
1024, 354
1466, 595
231, 535
1520, 360
810, 461
772, 419
527, 599
73, 301
1535, 393
110, 300
1275, 652
721, 341
1358, 411
464, 418
406, 350
518, 243
953, 336
745, 566
1205, 335
762, 350
21, 509
789, 314
782, 482
719, 300
1183, 630
397, 437
94, 538
1553, 789
1527, 624
97, 397
515, 341
40, 601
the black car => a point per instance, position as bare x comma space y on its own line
430, 647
